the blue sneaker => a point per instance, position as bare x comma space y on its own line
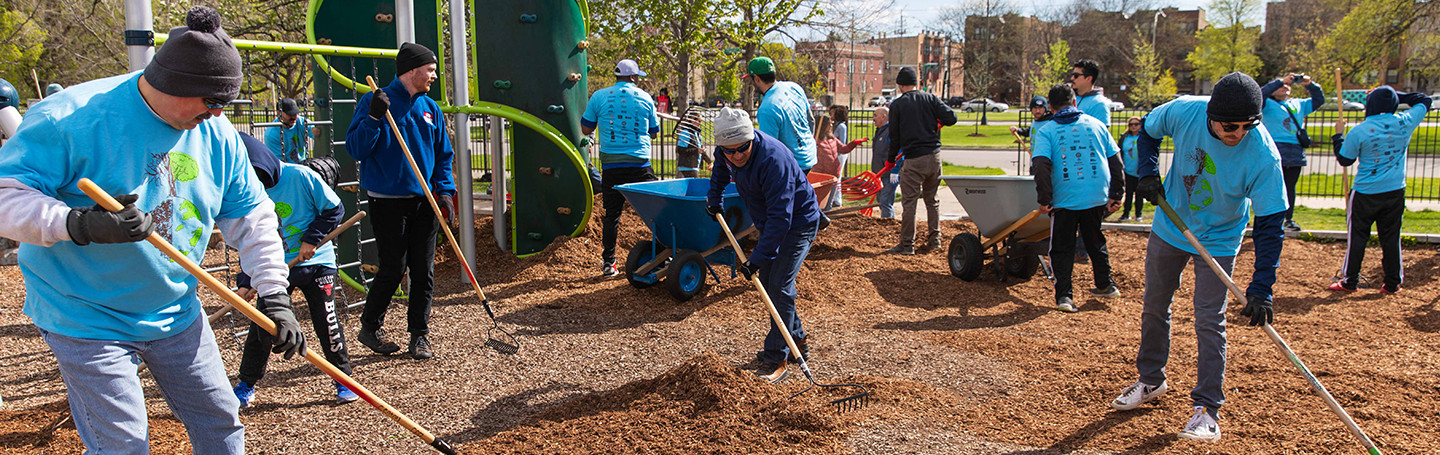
245, 392
344, 394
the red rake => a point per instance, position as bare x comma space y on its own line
865, 186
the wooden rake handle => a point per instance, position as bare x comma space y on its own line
109, 203
225, 309
774, 314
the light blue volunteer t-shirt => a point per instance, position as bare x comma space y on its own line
1097, 106
624, 117
1277, 117
1211, 185
1079, 152
785, 115
1130, 154
104, 131
300, 195
1379, 145
288, 144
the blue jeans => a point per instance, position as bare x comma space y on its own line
886, 199
779, 279
108, 400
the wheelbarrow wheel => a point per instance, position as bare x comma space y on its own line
640, 254
686, 275
966, 256
1023, 266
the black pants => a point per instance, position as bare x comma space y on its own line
405, 230
1385, 211
615, 203
1292, 178
1132, 183
317, 282
1063, 226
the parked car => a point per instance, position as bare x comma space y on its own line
955, 101
816, 104
1116, 106
985, 104
1349, 106
878, 101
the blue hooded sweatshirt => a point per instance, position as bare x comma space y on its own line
774, 189
383, 168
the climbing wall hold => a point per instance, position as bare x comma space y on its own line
502, 84
563, 210
583, 45
529, 18
574, 77
555, 108
547, 171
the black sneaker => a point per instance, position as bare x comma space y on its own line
608, 269
906, 250
772, 372
824, 222
1291, 226
420, 347
375, 340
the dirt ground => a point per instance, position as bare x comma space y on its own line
954, 367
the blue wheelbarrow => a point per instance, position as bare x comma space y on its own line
684, 240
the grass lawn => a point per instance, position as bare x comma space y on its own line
1333, 184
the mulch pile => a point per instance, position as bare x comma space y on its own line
24, 435
954, 367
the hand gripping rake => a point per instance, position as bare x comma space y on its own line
225, 309
1270, 331
855, 401
498, 338
104, 199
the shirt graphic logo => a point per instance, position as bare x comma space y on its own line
175, 213
429, 119
1197, 185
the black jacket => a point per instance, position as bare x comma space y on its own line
915, 120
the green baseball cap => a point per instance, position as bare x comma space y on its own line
760, 65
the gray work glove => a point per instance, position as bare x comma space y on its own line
94, 224
288, 338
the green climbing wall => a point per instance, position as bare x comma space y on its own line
525, 54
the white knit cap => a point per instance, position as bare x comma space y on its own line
733, 127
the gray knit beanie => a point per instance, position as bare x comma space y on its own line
198, 60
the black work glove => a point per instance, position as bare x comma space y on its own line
714, 210
1261, 310
94, 224
1150, 188
749, 269
447, 206
288, 338
379, 104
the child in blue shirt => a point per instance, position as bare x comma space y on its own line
308, 210
1129, 144
688, 144
1225, 167
1076, 166
1380, 144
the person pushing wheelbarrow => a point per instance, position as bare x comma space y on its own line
782, 205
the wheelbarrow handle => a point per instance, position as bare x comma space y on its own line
109, 203
1270, 331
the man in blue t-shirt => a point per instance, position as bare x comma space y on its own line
784, 111
308, 210
782, 205
1129, 144
1077, 182
1089, 99
103, 300
1285, 119
625, 117
1225, 167
404, 223
290, 141
1380, 144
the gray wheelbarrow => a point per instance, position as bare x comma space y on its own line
1013, 235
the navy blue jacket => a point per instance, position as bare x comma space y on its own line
383, 168
774, 189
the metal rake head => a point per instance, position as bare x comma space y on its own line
845, 404
503, 342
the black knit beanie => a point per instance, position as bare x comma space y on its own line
197, 61
1236, 99
1382, 100
906, 77
412, 56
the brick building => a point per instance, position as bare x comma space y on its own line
938, 60
853, 72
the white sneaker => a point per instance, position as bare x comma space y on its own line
1201, 427
1138, 393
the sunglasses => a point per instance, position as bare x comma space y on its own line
1231, 127
737, 149
1075, 74
212, 103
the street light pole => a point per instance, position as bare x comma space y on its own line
1153, 27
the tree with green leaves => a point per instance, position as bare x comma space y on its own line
21, 43
1364, 41
1051, 68
1228, 45
1152, 86
667, 38
751, 21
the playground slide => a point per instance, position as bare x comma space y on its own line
551, 195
